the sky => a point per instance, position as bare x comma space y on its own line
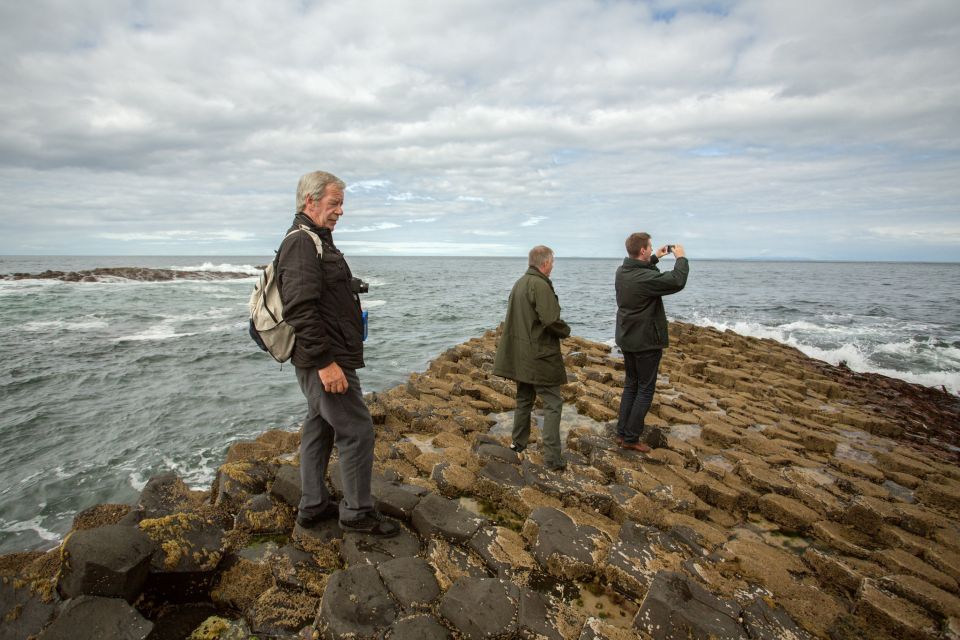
808, 129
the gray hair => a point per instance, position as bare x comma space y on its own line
313, 184
539, 256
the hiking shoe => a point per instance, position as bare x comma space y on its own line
517, 448
635, 446
371, 523
557, 467
329, 512
619, 441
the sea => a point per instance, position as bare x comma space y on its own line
103, 385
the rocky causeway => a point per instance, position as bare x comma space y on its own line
791, 499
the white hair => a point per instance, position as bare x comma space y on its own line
313, 184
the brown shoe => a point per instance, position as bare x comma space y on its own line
635, 446
619, 441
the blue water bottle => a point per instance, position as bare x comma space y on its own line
364, 314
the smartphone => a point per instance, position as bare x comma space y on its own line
669, 248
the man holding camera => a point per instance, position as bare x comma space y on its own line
642, 329
320, 302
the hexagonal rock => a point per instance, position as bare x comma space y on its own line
296, 568
764, 622
286, 485
482, 607
262, 514
535, 619
238, 481
111, 561
503, 551
162, 495
95, 618
394, 500
548, 482
677, 608
562, 547
23, 612
893, 615
435, 515
356, 604
360, 549
420, 627
790, 514
411, 581
453, 480
281, 612
187, 542
637, 555
498, 452
451, 562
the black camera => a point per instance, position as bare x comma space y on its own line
669, 248
359, 286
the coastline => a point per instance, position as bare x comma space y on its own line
795, 497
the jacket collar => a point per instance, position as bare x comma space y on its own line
533, 271
304, 219
640, 264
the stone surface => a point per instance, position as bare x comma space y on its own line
411, 581
96, 618
677, 608
356, 604
560, 546
360, 549
111, 561
286, 485
435, 515
893, 615
790, 514
763, 622
162, 495
23, 611
502, 550
187, 542
481, 607
420, 627
394, 500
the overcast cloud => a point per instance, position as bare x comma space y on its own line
805, 128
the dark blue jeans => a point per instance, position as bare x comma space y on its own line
638, 386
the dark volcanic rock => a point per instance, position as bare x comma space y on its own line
95, 618
163, 494
281, 612
286, 485
111, 561
360, 549
435, 515
263, 514
498, 452
763, 622
126, 273
411, 581
562, 547
355, 604
482, 607
23, 612
394, 500
179, 622
677, 608
417, 628
534, 617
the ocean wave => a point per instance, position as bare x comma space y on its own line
855, 355
40, 326
373, 304
34, 524
162, 331
223, 267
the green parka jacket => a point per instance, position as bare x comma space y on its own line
641, 319
529, 348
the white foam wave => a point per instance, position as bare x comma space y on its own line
34, 524
137, 481
223, 267
162, 331
851, 353
373, 304
64, 325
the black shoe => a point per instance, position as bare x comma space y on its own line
558, 467
371, 523
517, 448
331, 511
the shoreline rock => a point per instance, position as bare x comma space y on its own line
788, 499
112, 274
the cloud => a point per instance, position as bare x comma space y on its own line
178, 235
533, 221
428, 248
819, 117
486, 232
422, 220
373, 227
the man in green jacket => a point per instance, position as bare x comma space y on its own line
642, 329
529, 353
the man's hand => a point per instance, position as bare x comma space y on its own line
332, 378
662, 251
678, 251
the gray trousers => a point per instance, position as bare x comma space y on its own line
341, 420
552, 406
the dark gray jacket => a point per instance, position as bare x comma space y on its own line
641, 319
318, 300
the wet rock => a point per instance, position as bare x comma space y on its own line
765, 622
298, 569
451, 562
23, 611
638, 554
165, 494
356, 604
676, 607
111, 561
187, 542
503, 551
497, 452
420, 627
238, 481
548, 482
286, 485
322, 533
281, 612
95, 618
597, 629
893, 615
496, 478
397, 501
262, 515
453, 480
562, 547
359, 549
435, 515
411, 581
790, 514
101, 515
481, 607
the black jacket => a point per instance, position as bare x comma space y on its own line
641, 319
318, 300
